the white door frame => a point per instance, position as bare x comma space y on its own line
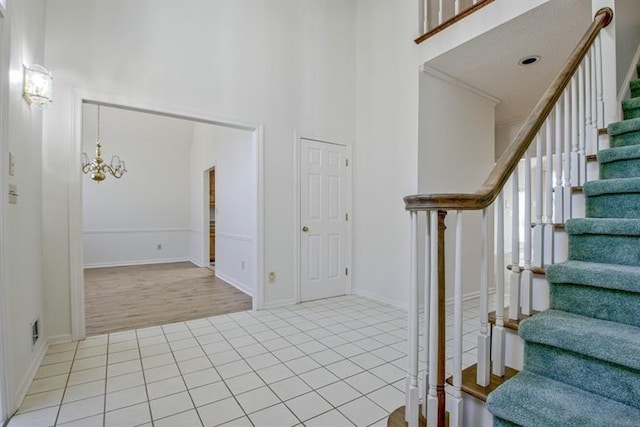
297, 141
4, 91
76, 265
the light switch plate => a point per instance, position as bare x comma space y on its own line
13, 193
12, 164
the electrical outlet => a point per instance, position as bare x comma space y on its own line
272, 277
159, 247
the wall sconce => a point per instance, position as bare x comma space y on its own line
37, 85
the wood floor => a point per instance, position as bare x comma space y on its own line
121, 298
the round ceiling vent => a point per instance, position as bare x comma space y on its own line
528, 60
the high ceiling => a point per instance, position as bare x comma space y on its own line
550, 31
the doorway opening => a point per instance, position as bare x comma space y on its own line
154, 222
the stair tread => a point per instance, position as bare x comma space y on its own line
533, 400
612, 186
610, 276
611, 226
632, 103
624, 126
470, 386
619, 153
509, 323
609, 341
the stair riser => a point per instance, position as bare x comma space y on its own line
626, 205
499, 422
633, 113
625, 139
635, 92
603, 248
599, 303
594, 375
620, 169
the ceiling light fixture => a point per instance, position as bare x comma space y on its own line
528, 60
98, 167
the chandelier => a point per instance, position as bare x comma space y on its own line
98, 167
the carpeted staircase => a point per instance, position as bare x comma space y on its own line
582, 356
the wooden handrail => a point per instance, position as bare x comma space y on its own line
455, 18
508, 162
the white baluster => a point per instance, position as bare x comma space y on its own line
427, 306
440, 11
432, 398
582, 140
588, 144
548, 220
457, 6
558, 192
538, 228
527, 276
411, 406
594, 102
601, 122
425, 16
498, 330
566, 182
484, 340
455, 410
514, 276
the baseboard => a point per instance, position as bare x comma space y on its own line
403, 305
279, 303
239, 286
28, 378
383, 300
137, 262
59, 339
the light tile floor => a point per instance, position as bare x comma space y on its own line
334, 362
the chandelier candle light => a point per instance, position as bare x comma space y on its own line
98, 167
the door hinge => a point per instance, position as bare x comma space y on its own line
346, 271
347, 162
346, 217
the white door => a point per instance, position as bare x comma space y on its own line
323, 219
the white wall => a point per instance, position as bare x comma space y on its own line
627, 24
233, 153
456, 153
124, 220
288, 65
21, 236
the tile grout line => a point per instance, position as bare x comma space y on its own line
144, 378
66, 384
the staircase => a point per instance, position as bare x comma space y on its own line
582, 356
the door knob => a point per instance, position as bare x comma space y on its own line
305, 229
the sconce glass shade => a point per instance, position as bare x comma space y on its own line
38, 85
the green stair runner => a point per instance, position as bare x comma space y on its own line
582, 356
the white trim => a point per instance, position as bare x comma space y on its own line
297, 140
389, 301
138, 230
631, 75
511, 122
238, 237
31, 373
452, 81
59, 339
239, 286
138, 262
279, 303
76, 276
